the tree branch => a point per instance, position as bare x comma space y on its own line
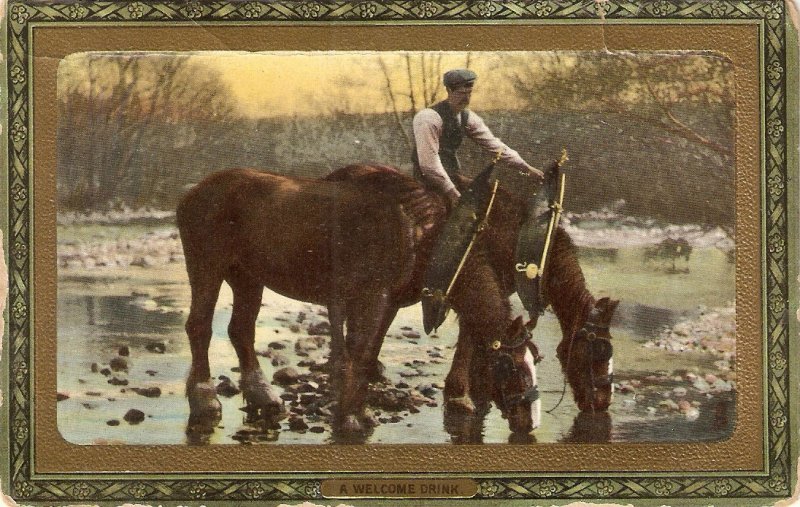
393, 100
678, 127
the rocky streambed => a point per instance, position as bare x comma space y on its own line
123, 354
132, 381
704, 388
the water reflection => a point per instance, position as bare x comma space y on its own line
610, 255
590, 427
350, 438
136, 318
522, 438
644, 320
469, 428
464, 427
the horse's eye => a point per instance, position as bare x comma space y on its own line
592, 336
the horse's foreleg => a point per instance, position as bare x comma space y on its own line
365, 318
205, 410
457, 383
242, 331
484, 312
336, 316
374, 368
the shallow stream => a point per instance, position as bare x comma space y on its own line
142, 310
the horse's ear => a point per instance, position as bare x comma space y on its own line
606, 306
602, 304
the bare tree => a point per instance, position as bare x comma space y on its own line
123, 116
653, 88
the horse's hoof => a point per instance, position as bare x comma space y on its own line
259, 395
462, 404
369, 420
203, 402
350, 424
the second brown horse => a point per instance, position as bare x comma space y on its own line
357, 242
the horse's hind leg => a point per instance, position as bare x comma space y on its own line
242, 332
205, 410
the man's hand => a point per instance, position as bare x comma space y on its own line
533, 173
453, 196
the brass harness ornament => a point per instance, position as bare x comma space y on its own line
481, 227
531, 269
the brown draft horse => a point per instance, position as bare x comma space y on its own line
357, 241
585, 349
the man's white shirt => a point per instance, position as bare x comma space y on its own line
427, 126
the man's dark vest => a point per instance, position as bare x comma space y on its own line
452, 135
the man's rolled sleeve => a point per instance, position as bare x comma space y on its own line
480, 133
427, 126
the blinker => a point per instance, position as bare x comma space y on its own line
504, 367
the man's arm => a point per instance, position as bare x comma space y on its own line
427, 131
480, 133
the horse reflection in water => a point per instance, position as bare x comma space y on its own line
358, 242
590, 427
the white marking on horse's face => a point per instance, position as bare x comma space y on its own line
610, 373
536, 406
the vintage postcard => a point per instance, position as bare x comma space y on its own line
390, 253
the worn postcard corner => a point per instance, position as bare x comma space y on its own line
400, 253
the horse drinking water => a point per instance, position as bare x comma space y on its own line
585, 351
357, 242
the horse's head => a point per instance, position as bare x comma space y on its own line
586, 358
513, 369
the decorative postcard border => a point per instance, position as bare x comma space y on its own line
22, 14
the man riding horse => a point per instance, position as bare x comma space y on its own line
439, 131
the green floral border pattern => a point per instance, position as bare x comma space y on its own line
770, 12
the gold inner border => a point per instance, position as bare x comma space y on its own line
743, 451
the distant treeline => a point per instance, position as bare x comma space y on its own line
613, 157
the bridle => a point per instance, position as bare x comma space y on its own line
592, 333
504, 366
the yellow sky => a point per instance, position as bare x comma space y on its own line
281, 83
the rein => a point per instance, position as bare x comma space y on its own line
589, 331
481, 227
484, 223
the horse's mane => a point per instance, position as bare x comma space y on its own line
565, 286
423, 207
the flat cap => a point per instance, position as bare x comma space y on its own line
459, 77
